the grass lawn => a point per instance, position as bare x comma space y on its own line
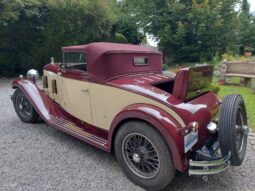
248, 96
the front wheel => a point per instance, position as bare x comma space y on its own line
144, 156
24, 108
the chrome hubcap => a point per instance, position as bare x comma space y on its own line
20, 106
140, 155
136, 158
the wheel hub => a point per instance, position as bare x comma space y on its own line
242, 130
136, 158
245, 129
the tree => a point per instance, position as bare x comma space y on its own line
188, 30
247, 33
126, 25
32, 31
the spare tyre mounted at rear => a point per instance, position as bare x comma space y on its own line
230, 139
233, 129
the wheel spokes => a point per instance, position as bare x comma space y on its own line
141, 155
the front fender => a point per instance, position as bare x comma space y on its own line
35, 96
162, 121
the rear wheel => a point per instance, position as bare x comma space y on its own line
24, 108
144, 156
233, 129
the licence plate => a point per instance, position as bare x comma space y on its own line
190, 140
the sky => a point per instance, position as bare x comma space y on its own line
152, 41
252, 4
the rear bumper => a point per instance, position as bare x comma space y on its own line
209, 167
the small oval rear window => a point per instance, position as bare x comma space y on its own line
140, 61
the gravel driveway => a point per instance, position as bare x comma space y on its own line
38, 157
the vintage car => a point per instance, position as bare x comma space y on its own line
115, 97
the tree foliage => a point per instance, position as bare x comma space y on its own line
32, 31
126, 25
190, 30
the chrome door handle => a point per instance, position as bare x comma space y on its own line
85, 91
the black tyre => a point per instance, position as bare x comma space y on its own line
24, 108
233, 129
144, 156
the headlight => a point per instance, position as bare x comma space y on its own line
32, 74
212, 127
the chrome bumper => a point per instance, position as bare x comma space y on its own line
209, 167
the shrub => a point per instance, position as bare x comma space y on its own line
215, 88
248, 49
164, 67
231, 57
216, 58
120, 38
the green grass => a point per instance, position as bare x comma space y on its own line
248, 96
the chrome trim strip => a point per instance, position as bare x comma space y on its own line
72, 128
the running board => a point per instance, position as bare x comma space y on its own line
78, 132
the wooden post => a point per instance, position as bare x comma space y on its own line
247, 82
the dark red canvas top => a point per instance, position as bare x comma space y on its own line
109, 60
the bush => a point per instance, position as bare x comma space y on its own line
215, 88
119, 38
231, 57
248, 49
164, 67
216, 58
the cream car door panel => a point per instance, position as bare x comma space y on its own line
76, 98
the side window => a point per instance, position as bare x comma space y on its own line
75, 61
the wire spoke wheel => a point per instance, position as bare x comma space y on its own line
141, 155
24, 107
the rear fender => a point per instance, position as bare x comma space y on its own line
162, 121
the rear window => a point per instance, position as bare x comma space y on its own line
141, 61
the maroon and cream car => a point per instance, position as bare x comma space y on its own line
116, 98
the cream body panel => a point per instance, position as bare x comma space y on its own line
52, 76
76, 98
98, 104
113, 100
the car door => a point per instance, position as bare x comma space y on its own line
75, 87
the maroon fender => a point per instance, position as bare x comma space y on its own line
34, 95
165, 124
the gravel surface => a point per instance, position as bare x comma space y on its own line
38, 157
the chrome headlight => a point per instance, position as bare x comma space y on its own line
32, 74
212, 127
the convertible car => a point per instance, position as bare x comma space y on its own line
115, 97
